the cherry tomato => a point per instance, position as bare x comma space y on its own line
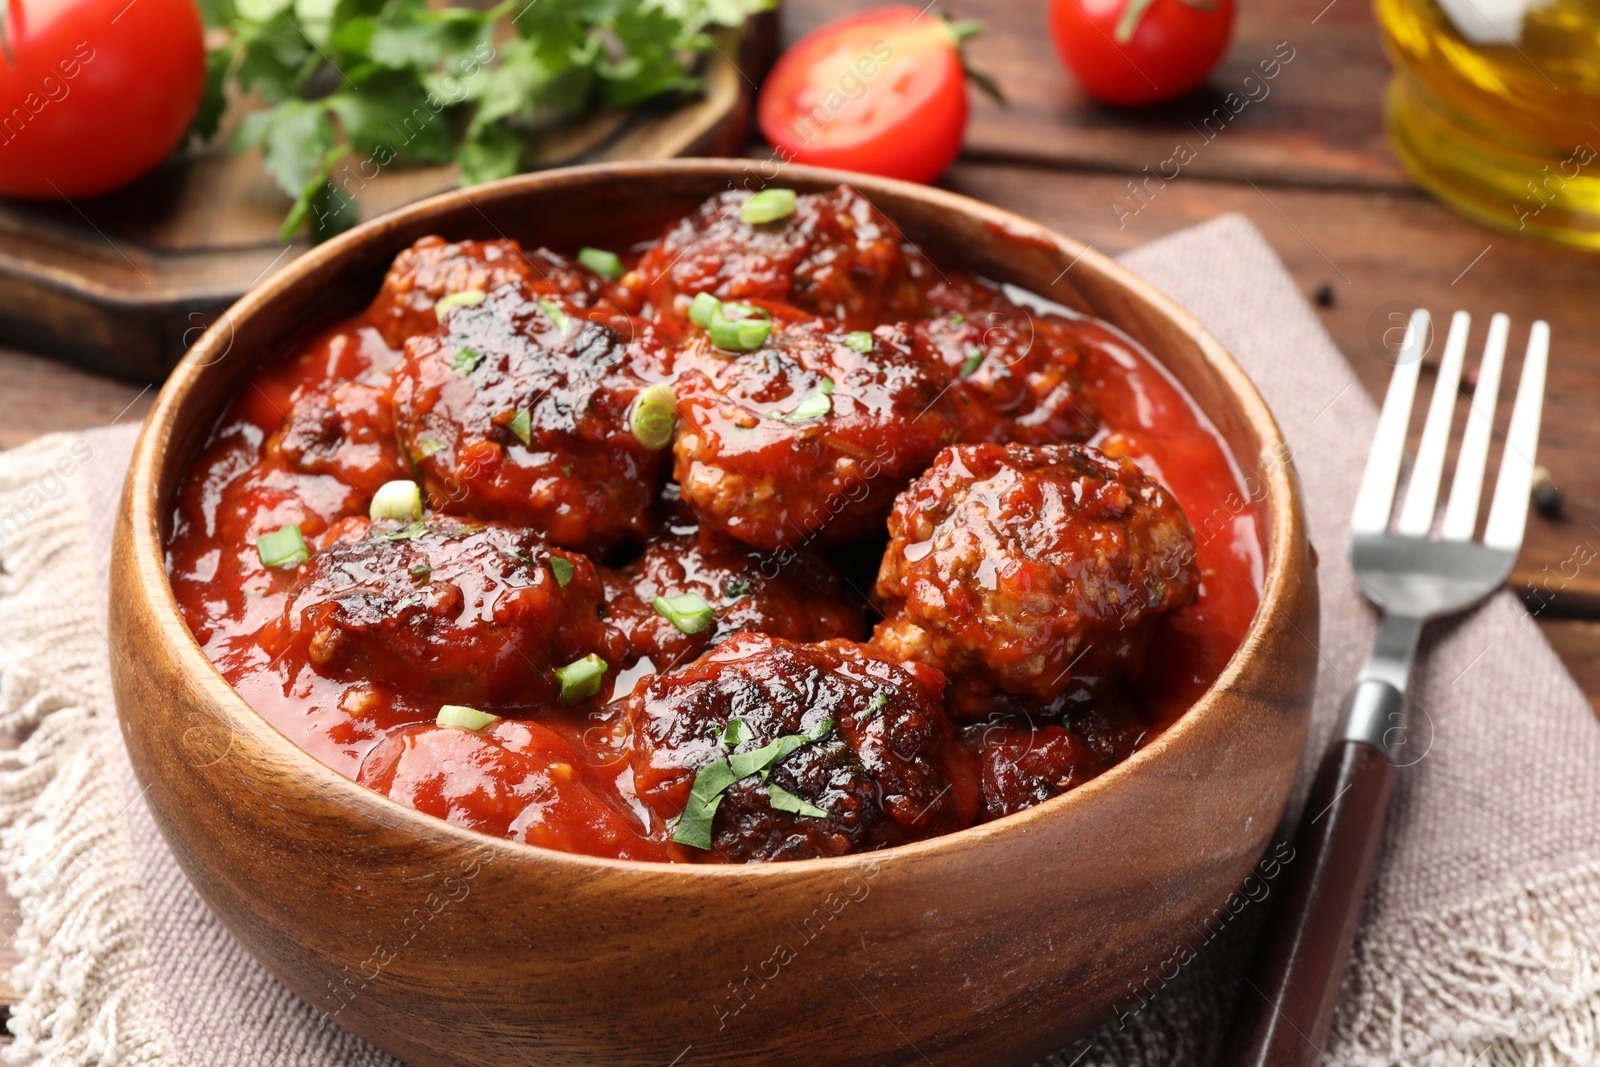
880, 92
94, 93
1133, 52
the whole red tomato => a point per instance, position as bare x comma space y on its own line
93, 93
880, 92
1133, 52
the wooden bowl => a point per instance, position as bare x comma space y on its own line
993, 945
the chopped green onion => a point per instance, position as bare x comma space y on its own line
520, 556
421, 572
467, 718
428, 446
860, 340
736, 732
687, 611
734, 588
561, 567
815, 405
769, 205
465, 298
521, 424
282, 548
973, 361
606, 264
410, 533
712, 781
466, 361
553, 312
783, 800
878, 702
581, 678
704, 306
957, 319
397, 500
741, 335
654, 414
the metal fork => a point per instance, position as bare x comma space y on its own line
1414, 576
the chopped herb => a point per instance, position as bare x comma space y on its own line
704, 306
581, 678
769, 205
421, 572
396, 500
567, 471
606, 264
735, 733
282, 548
860, 340
520, 556
815, 405
734, 588
973, 361
467, 718
428, 446
957, 319
521, 424
879, 700
561, 567
687, 611
654, 414
409, 533
742, 334
553, 312
465, 298
783, 800
466, 361
712, 781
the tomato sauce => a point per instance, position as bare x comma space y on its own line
312, 435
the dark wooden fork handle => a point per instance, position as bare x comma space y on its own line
1287, 1007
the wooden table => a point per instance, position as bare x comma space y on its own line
1308, 163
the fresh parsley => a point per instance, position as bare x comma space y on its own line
712, 780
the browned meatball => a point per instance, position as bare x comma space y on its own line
433, 268
837, 257
806, 439
799, 599
472, 614
1018, 376
1030, 568
873, 751
1022, 765
518, 409
345, 429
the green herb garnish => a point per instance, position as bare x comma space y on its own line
687, 611
860, 340
466, 360
973, 361
552, 311
654, 414
815, 405
421, 571
957, 319
746, 333
734, 733
409, 533
783, 800
769, 205
581, 678
734, 588
561, 567
606, 264
467, 718
284, 547
712, 781
428, 446
465, 298
521, 424
702, 308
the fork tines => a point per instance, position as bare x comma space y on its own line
1509, 510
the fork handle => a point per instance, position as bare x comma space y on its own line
1286, 1009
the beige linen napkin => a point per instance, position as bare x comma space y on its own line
1478, 945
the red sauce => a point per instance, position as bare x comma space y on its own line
313, 434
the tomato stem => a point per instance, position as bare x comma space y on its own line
961, 31
1133, 16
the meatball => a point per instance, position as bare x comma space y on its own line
513, 779
471, 614
1026, 569
1018, 376
870, 748
518, 409
807, 438
1022, 765
345, 429
432, 269
836, 256
800, 599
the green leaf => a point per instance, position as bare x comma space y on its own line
860, 340
973, 361
713, 780
521, 424
492, 152
562, 569
465, 360
783, 800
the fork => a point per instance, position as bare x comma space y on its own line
1414, 576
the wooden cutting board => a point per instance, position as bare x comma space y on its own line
123, 283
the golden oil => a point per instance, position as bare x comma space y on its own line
1508, 133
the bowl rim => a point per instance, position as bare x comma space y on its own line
1284, 530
